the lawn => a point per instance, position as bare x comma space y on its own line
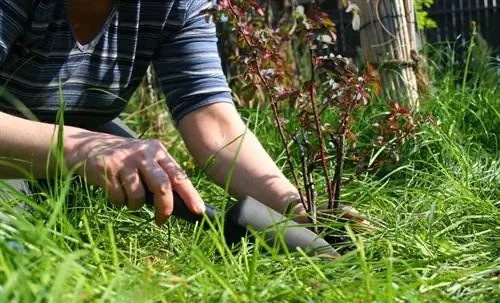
437, 214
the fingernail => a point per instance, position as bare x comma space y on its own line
201, 207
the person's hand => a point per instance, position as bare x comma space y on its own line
124, 166
346, 212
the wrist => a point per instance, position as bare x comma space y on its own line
75, 143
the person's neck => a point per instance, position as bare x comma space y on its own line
88, 16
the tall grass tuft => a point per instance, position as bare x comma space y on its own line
437, 236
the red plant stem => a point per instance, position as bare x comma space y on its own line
339, 164
273, 106
339, 145
307, 174
312, 92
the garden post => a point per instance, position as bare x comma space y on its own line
388, 33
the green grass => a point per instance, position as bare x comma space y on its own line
438, 241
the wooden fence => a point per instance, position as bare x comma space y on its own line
453, 18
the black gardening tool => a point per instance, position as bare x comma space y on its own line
250, 214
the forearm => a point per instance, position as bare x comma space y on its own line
210, 131
26, 147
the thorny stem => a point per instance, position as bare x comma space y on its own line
307, 168
312, 92
339, 156
274, 107
311, 192
303, 158
312, 195
340, 142
337, 178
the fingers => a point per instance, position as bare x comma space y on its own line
159, 184
115, 192
130, 166
182, 185
100, 175
133, 188
98, 171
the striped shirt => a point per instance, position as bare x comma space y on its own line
41, 61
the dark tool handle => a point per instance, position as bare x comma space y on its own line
232, 232
181, 211
249, 213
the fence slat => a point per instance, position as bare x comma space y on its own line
452, 16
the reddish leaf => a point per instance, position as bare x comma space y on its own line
259, 10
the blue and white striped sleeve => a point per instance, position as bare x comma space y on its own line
13, 16
188, 64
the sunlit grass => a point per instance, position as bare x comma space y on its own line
438, 235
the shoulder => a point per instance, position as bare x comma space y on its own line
184, 10
14, 17
197, 6
16, 9
22, 11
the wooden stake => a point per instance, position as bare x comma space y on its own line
388, 40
